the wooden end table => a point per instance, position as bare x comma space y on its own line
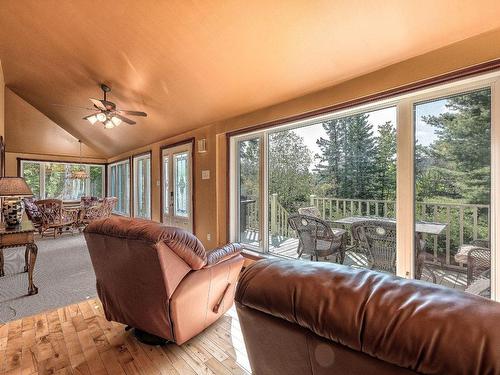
22, 235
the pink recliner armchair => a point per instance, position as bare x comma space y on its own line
160, 280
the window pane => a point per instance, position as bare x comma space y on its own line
452, 176
142, 186
119, 186
181, 174
166, 186
31, 172
249, 192
339, 175
96, 180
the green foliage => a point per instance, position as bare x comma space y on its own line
289, 175
354, 163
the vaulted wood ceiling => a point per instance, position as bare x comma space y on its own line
190, 63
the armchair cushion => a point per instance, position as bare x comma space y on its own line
223, 253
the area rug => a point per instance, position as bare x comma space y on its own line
63, 275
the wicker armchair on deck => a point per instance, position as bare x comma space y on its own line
477, 255
55, 217
377, 239
317, 238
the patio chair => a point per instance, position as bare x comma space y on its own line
477, 255
317, 238
377, 239
310, 211
97, 211
55, 217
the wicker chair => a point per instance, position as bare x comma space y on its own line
477, 254
97, 211
377, 239
317, 238
55, 217
33, 213
310, 211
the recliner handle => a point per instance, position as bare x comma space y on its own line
219, 302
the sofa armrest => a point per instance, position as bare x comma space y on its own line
223, 253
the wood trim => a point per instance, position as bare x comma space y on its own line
405, 89
193, 176
19, 160
150, 153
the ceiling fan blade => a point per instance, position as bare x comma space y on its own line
98, 103
86, 117
124, 119
133, 113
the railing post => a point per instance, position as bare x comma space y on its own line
312, 197
274, 201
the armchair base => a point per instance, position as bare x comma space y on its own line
148, 338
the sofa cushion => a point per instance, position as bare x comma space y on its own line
427, 328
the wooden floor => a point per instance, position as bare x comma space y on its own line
77, 339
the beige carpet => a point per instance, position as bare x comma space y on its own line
63, 275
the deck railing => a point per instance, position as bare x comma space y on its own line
465, 222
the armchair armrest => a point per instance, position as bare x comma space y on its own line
223, 253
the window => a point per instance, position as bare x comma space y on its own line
119, 185
434, 154
53, 180
142, 186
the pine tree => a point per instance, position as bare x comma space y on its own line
385, 162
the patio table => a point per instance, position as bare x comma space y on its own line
420, 226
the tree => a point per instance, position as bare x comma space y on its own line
460, 157
289, 175
385, 162
348, 157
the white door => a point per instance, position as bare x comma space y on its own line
177, 186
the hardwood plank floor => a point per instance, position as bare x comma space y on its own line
78, 340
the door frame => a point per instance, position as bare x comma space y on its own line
191, 141
133, 180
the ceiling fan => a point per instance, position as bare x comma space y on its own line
107, 113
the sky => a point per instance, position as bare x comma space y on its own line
425, 133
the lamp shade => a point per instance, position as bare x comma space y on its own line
14, 187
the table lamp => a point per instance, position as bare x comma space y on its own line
13, 189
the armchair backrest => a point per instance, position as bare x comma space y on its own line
378, 239
32, 211
108, 205
310, 211
310, 230
86, 202
50, 209
138, 265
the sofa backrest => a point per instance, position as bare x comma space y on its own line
138, 265
418, 326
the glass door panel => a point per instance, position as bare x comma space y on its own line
177, 186
452, 191
249, 192
339, 175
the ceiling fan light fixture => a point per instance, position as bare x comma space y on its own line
116, 121
108, 124
101, 117
92, 119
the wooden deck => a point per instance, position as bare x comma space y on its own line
287, 247
77, 339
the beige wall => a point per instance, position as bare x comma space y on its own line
27, 130
2, 102
211, 195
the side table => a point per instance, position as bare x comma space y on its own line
22, 235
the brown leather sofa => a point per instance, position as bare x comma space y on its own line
160, 280
307, 318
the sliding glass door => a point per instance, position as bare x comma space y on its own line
408, 183
119, 186
453, 190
